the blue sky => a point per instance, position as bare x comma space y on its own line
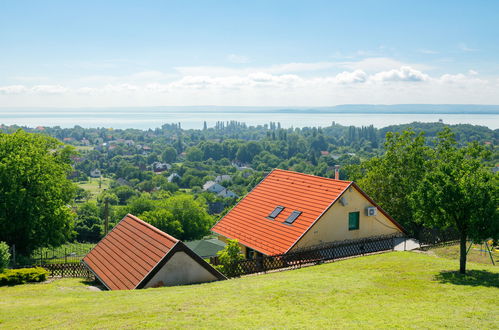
302, 53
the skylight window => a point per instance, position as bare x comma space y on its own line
276, 212
292, 217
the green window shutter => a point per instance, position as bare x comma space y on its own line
353, 220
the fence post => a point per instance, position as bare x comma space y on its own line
14, 255
65, 256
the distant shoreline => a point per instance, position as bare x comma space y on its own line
339, 109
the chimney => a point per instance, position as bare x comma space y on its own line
336, 172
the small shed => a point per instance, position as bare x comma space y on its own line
206, 248
136, 255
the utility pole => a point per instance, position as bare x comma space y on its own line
106, 215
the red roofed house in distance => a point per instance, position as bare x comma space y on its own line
288, 211
136, 255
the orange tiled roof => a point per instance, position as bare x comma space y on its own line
248, 223
124, 258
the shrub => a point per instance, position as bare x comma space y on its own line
23, 275
229, 258
4, 256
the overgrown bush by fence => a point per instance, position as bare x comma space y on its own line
311, 255
23, 275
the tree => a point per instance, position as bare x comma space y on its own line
191, 213
169, 154
194, 154
164, 220
35, 194
229, 258
88, 225
458, 191
392, 178
4, 256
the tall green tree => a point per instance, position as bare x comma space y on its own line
392, 178
194, 154
458, 191
169, 154
35, 194
191, 214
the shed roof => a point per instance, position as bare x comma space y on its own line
206, 248
249, 220
132, 252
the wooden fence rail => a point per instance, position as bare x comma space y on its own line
69, 270
315, 254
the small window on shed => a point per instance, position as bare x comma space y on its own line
353, 220
292, 217
276, 212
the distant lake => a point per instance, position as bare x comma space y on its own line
145, 118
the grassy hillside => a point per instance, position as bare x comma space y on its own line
399, 289
92, 185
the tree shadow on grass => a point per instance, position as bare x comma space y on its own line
472, 278
93, 283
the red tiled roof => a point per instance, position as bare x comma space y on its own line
124, 258
248, 223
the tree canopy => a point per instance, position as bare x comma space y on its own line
392, 178
458, 191
35, 194
440, 187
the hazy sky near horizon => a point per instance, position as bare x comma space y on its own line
252, 53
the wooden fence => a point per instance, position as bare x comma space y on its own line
312, 255
69, 270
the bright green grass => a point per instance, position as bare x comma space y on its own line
477, 253
92, 185
399, 289
84, 148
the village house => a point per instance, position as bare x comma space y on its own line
223, 177
213, 187
136, 255
159, 167
288, 211
218, 189
226, 193
95, 173
173, 177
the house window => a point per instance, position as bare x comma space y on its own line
250, 253
292, 217
353, 220
276, 212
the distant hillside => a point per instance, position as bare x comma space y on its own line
344, 108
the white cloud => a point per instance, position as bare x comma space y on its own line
13, 89
357, 76
49, 89
428, 51
376, 64
291, 84
405, 73
465, 48
239, 59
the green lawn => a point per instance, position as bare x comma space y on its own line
84, 148
92, 185
399, 289
478, 253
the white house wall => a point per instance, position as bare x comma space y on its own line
179, 270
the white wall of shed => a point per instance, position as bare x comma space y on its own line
179, 270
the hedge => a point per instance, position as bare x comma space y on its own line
23, 275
